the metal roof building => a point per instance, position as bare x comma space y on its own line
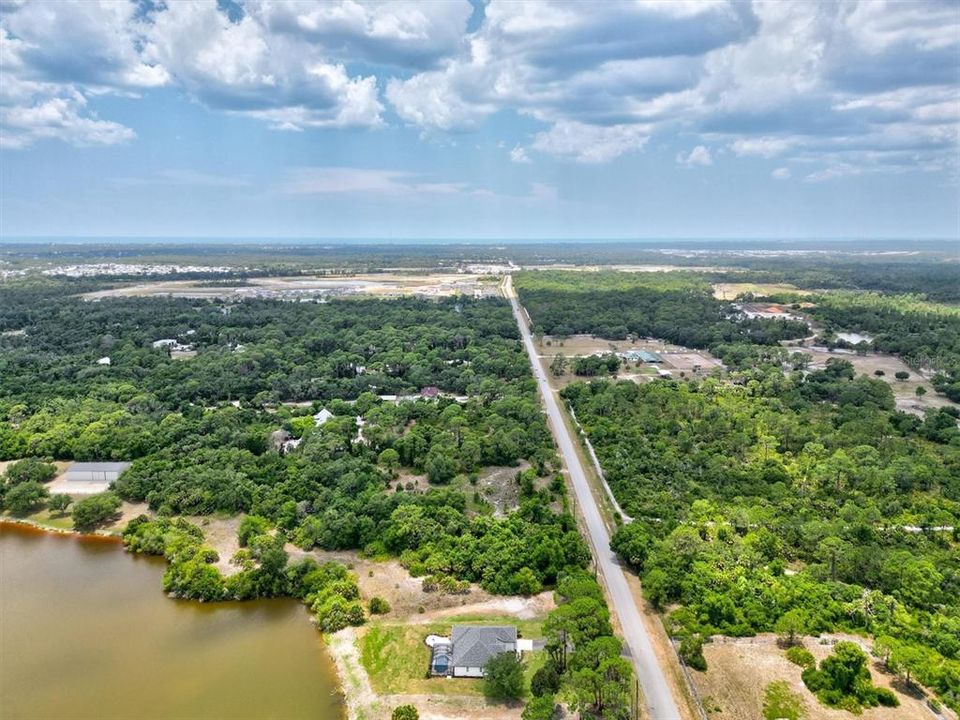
95, 471
649, 356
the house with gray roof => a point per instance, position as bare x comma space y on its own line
474, 645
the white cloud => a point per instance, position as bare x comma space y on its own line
765, 147
864, 84
185, 177
242, 67
58, 118
781, 173
590, 143
335, 180
401, 33
519, 155
88, 42
699, 156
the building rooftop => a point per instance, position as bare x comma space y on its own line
474, 645
98, 467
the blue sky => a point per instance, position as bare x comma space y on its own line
274, 118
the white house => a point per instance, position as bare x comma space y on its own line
321, 417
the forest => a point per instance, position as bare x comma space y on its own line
788, 502
675, 306
201, 431
205, 435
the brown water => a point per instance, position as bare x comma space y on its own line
86, 632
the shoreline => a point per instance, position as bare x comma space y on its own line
107, 535
354, 703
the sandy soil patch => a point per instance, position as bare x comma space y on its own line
905, 391
368, 284
729, 291
391, 581
220, 533
741, 668
498, 486
362, 702
691, 361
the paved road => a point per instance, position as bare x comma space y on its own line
656, 691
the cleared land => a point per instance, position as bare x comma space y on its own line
384, 663
306, 287
741, 668
676, 358
904, 391
730, 291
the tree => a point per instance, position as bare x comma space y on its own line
30, 470
93, 510
546, 680
390, 459
791, 624
503, 677
845, 666
633, 542
24, 497
559, 365
440, 466
250, 527
901, 375
405, 712
543, 707
920, 391
59, 503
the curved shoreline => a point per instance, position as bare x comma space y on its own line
338, 658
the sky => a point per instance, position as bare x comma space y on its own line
473, 120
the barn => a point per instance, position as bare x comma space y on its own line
102, 472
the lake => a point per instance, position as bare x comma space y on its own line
87, 632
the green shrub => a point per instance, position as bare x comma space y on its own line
378, 606
887, 697
799, 655
405, 712
691, 652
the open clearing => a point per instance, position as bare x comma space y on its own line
730, 291
393, 662
739, 669
306, 287
676, 358
904, 391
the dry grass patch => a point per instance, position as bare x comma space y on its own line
740, 669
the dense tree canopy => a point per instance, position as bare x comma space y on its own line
792, 496
678, 307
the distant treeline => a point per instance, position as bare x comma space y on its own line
678, 307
